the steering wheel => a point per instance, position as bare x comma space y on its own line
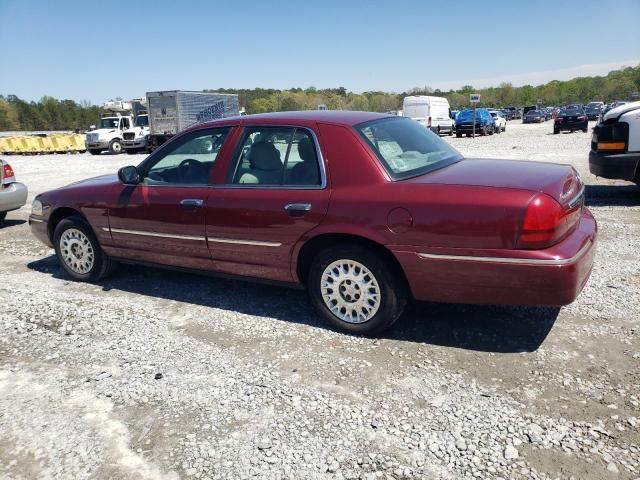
187, 168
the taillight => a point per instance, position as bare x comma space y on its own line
7, 173
546, 222
582, 117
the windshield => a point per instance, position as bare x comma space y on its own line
142, 121
406, 148
109, 123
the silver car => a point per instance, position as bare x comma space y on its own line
13, 195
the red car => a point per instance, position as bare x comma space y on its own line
364, 210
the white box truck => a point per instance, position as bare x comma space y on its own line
432, 112
172, 111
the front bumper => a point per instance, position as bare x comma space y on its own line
13, 196
550, 277
137, 143
39, 229
623, 166
100, 144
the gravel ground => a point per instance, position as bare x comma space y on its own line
153, 374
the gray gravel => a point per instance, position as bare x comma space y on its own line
153, 374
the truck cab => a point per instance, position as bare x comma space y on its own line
615, 144
108, 134
136, 139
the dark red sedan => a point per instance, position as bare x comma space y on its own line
364, 210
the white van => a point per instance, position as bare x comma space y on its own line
432, 112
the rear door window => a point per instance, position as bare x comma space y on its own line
276, 156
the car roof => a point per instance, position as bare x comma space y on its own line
338, 117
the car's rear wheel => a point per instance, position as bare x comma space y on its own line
93, 151
355, 290
115, 147
79, 252
3, 215
556, 131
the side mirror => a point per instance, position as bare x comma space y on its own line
129, 175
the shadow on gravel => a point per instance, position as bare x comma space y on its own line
612, 195
11, 223
501, 329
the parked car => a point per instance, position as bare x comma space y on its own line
483, 122
613, 105
593, 111
533, 116
499, 121
615, 144
13, 194
402, 215
572, 118
432, 112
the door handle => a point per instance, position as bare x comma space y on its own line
297, 207
190, 203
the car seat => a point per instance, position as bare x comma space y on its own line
306, 172
265, 165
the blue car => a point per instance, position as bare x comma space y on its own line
484, 123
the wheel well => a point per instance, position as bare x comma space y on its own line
60, 214
316, 244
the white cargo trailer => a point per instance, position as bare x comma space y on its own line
172, 111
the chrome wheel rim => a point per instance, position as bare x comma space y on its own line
77, 251
350, 291
117, 147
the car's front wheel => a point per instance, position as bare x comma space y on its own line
79, 252
356, 290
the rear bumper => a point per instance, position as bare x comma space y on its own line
442, 129
550, 277
13, 196
624, 166
39, 229
468, 128
571, 125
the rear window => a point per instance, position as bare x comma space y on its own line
571, 110
406, 148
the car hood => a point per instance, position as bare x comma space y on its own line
561, 182
101, 131
95, 181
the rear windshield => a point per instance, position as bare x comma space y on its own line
406, 148
571, 110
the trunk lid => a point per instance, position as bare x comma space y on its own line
561, 182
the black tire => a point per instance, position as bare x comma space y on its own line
556, 131
451, 132
3, 215
483, 131
93, 151
115, 147
392, 288
102, 265
458, 135
585, 130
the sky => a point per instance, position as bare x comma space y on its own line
98, 50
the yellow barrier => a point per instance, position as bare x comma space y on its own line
53, 143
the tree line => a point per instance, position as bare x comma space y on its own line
624, 84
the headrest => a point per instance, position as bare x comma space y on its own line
265, 156
305, 150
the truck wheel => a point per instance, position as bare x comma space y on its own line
95, 152
458, 135
115, 147
355, 290
3, 215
